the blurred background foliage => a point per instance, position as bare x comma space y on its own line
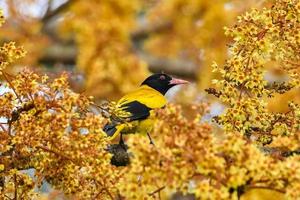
110, 46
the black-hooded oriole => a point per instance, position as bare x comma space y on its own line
138, 106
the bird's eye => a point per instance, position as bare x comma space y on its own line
162, 77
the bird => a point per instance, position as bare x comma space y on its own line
136, 109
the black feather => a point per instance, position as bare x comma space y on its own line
110, 129
137, 110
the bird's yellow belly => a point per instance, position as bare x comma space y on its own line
140, 127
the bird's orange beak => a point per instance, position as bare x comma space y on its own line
176, 81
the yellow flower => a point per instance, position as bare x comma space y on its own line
1, 167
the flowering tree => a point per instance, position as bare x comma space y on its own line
47, 127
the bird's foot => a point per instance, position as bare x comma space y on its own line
122, 143
150, 139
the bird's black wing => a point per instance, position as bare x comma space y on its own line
110, 129
137, 110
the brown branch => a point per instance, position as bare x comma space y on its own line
2, 127
99, 193
49, 15
214, 92
16, 187
7, 197
279, 151
2, 184
103, 189
11, 85
144, 29
60, 53
48, 7
109, 194
156, 191
265, 187
16, 114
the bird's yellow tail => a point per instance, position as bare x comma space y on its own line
113, 130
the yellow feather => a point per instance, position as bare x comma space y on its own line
145, 95
119, 129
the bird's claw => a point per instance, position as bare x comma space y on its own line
151, 141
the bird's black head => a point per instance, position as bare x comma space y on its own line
162, 82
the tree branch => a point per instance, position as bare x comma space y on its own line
144, 29
50, 14
265, 187
279, 151
157, 191
59, 53
16, 187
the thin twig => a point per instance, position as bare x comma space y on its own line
2, 127
103, 189
57, 11
266, 187
9, 129
16, 186
11, 85
109, 194
7, 197
156, 191
97, 195
48, 7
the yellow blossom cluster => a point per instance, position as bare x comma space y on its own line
47, 127
9, 53
260, 37
189, 157
24, 30
50, 129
